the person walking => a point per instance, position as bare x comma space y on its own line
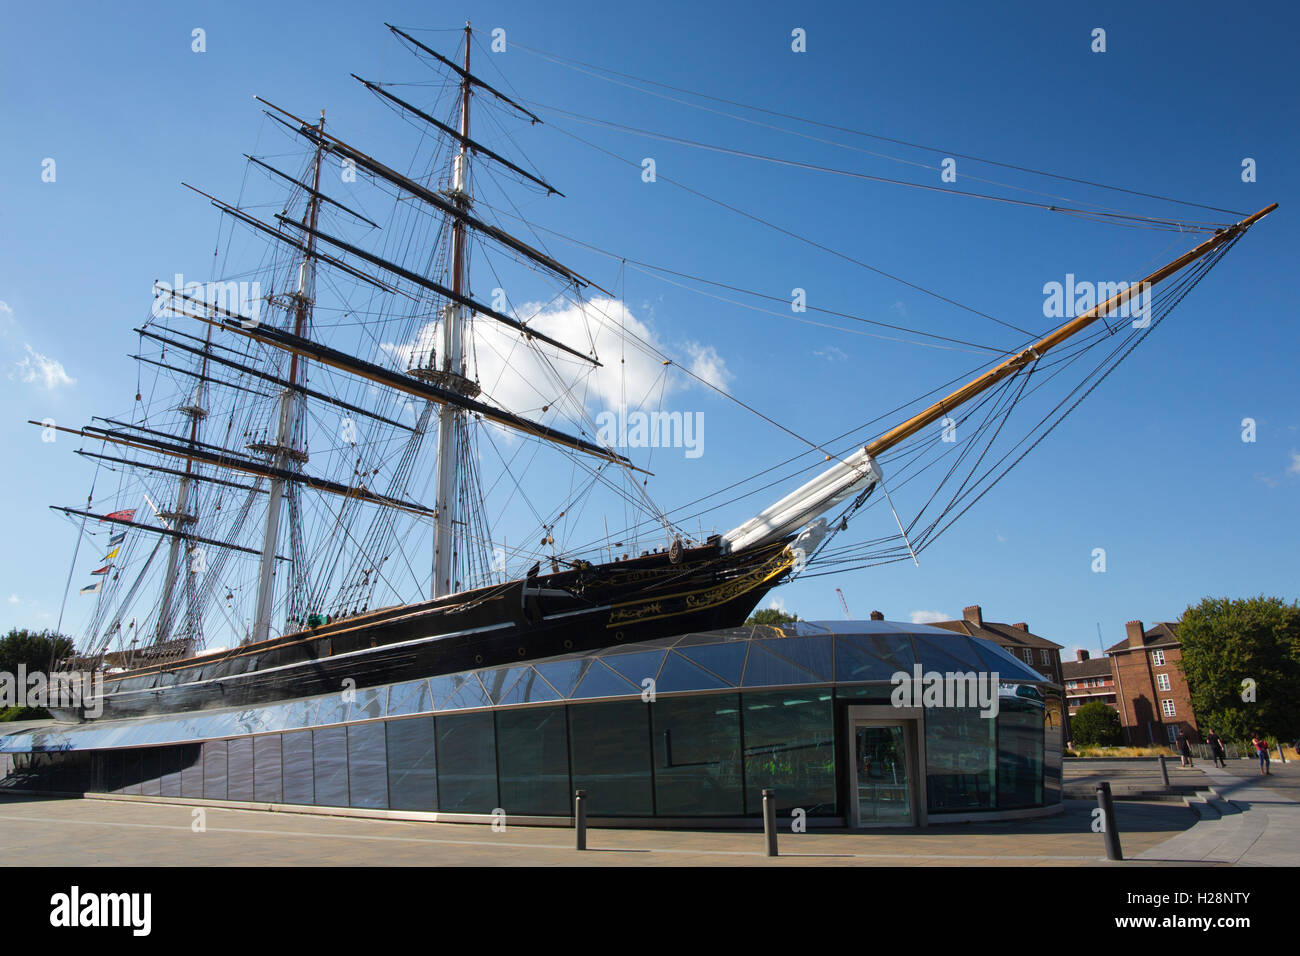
1184, 748
1261, 748
1216, 749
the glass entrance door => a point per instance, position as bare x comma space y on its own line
884, 777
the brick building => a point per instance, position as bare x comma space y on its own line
1088, 679
1154, 700
1038, 652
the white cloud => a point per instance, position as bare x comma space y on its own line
13, 598
1294, 467
777, 604
708, 365
929, 617
519, 379
41, 369
831, 354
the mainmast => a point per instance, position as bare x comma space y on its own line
283, 452
450, 418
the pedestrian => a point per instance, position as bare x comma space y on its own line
1261, 748
1216, 749
1184, 748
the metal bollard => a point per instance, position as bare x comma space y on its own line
769, 820
1280, 756
1110, 831
1164, 772
580, 818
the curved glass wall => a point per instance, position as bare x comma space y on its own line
692, 726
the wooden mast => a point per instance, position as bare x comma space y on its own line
1033, 353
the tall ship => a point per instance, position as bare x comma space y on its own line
346, 464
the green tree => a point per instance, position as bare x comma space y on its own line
35, 651
772, 616
1096, 725
1241, 659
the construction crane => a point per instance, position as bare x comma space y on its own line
844, 604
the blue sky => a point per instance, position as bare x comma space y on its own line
1151, 468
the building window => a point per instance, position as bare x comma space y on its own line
1029, 656
1172, 730
1167, 706
1045, 655
1158, 658
1162, 681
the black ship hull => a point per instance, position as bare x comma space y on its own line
585, 609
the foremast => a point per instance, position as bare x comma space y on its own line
284, 454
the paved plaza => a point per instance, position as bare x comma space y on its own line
1238, 818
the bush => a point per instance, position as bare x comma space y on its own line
1096, 725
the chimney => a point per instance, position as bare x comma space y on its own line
973, 614
877, 616
1081, 654
1021, 626
1136, 633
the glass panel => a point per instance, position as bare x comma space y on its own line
959, 757
530, 688
678, 673
368, 704
609, 750
1053, 743
330, 766
171, 772
884, 780
697, 756
412, 698
298, 713
1020, 753
998, 660
331, 710
862, 658
636, 667
150, 772
499, 680
534, 760
947, 654
192, 770
299, 773
865, 693
130, 770
239, 769
467, 763
468, 693
790, 747
412, 764
214, 770
813, 654
367, 766
726, 660
764, 669
268, 774
600, 681
562, 675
